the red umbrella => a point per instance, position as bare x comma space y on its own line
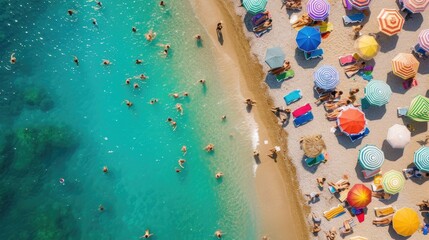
359, 196
351, 121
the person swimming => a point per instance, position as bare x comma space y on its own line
99, 3
218, 175
175, 95
179, 108
162, 4
153, 101
142, 77
218, 234
12, 58
128, 103
147, 234
138, 61
105, 169
127, 81
94, 21
150, 35
71, 12
181, 162
76, 60
185, 94
184, 150
106, 62
209, 147
100, 208
136, 86
134, 29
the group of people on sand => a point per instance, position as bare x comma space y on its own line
282, 113
334, 102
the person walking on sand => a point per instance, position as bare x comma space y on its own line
320, 181
356, 30
147, 234
250, 102
12, 58
219, 27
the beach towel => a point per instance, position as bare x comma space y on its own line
301, 110
334, 212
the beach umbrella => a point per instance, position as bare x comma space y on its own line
377, 92
390, 21
360, 4
359, 196
415, 6
370, 157
312, 145
405, 221
405, 65
308, 39
398, 136
318, 10
366, 47
326, 77
421, 159
275, 57
351, 120
419, 109
424, 39
254, 6
393, 182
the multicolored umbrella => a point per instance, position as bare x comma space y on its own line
398, 136
326, 77
393, 182
421, 159
405, 65
360, 4
424, 39
318, 10
308, 39
255, 6
406, 221
415, 6
370, 157
359, 196
390, 21
366, 47
275, 57
419, 109
351, 121
377, 92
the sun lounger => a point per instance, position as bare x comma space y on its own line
402, 111
384, 218
384, 211
314, 161
334, 212
259, 19
301, 110
354, 137
420, 52
303, 119
293, 96
285, 75
351, 223
369, 174
347, 59
259, 34
355, 18
318, 53
343, 195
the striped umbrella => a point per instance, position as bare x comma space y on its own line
415, 6
406, 221
424, 39
377, 92
351, 120
421, 159
419, 109
366, 47
405, 65
360, 4
390, 21
318, 10
359, 196
398, 136
370, 157
393, 182
308, 39
255, 6
326, 77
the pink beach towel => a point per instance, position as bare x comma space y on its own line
301, 110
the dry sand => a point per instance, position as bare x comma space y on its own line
343, 153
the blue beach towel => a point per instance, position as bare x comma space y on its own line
293, 96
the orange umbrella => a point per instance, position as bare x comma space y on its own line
390, 21
405, 65
359, 196
351, 120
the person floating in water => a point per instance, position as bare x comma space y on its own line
147, 234
134, 29
179, 108
12, 58
139, 61
106, 62
209, 147
150, 35
100, 208
128, 103
184, 150
76, 60
71, 12
162, 4
181, 162
142, 77
105, 169
218, 234
127, 81
175, 95
153, 101
218, 175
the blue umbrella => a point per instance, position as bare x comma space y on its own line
308, 39
326, 77
275, 57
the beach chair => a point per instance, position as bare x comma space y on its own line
354, 137
318, 53
389, 218
420, 52
369, 174
303, 119
347, 59
293, 96
301, 110
384, 211
351, 222
334, 212
402, 111
355, 18
315, 161
343, 195
259, 34
259, 19
285, 75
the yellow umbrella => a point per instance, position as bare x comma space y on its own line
366, 47
406, 221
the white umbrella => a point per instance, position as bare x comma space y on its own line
398, 136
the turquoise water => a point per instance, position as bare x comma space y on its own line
59, 120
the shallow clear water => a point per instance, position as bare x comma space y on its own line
59, 120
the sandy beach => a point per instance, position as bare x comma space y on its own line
280, 202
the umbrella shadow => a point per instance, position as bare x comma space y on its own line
390, 153
395, 83
345, 141
416, 127
387, 43
272, 82
306, 64
248, 22
414, 23
359, 174
416, 180
374, 112
394, 235
423, 67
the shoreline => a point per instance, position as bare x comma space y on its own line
279, 210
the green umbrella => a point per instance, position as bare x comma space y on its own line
419, 109
377, 92
255, 6
421, 159
370, 157
393, 182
